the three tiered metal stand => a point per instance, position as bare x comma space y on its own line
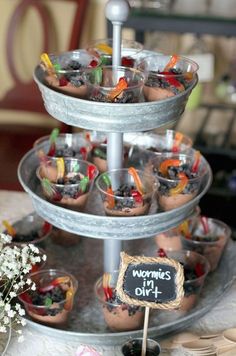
109, 233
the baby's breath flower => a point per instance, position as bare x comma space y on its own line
15, 265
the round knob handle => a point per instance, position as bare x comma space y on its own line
117, 10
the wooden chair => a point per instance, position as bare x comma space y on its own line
30, 28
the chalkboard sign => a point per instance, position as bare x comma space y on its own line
155, 282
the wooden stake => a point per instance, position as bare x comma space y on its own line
145, 328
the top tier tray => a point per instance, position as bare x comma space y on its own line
109, 117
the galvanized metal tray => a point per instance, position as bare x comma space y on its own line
108, 117
92, 222
86, 323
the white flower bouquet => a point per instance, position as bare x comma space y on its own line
15, 266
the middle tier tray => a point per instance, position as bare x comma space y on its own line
92, 222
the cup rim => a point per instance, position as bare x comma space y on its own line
125, 170
228, 232
159, 55
123, 40
37, 240
169, 155
46, 138
71, 159
121, 68
68, 53
163, 133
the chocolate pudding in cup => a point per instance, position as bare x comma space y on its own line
115, 84
196, 268
180, 177
169, 240
127, 191
103, 48
52, 301
118, 316
64, 72
167, 75
65, 145
133, 347
208, 237
71, 183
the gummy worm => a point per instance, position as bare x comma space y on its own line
173, 60
168, 163
121, 85
10, 229
60, 167
132, 171
181, 185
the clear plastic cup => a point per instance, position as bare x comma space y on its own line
117, 315
102, 48
30, 229
145, 146
180, 179
103, 82
125, 199
68, 71
171, 240
165, 80
53, 299
66, 145
210, 243
72, 191
196, 268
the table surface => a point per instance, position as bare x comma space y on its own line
13, 206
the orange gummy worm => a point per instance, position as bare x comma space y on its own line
132, 171
118, 89
110, 198
168, 163
173, 60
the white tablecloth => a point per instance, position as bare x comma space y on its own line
13, 206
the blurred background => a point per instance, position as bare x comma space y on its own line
204, 30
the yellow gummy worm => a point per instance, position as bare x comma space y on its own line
60, 167
104, 48
47, 62
10, 229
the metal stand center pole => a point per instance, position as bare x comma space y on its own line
117, 12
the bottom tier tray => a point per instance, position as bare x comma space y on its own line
86, 324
